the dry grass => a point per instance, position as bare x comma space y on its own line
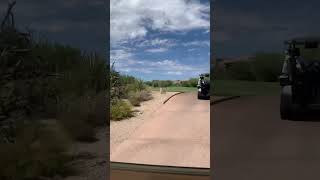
145, 95
136, 98
40, 150
121, 110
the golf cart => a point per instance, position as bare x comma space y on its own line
300, 79
204, 86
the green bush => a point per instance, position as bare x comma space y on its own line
121, 110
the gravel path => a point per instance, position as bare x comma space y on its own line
121, 130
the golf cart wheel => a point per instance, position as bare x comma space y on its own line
199, 95
286, 105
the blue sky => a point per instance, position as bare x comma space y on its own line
160, 39
245, 27
79, 23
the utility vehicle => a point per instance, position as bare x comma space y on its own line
204, 86
300, 79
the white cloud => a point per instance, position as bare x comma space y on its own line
132, 18
157, 50
175, 72
157, 42
120, 54
197, 43
131, 21
126, 63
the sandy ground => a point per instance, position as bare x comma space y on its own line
176, 134
251, 142
94, 158
122, 130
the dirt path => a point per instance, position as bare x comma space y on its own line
176, 134
251, 142
121, 130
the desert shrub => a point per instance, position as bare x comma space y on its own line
310, 53
122, 85
184, 83
137, 85
163, 90
121, 110
41, 149
49, 80
134, 98
167, 83
115, 85
263, 67
74, 115
193, 82
149, 83
218, 72
97, 116
160, 83
221, 74
267, 66
145, 95
126, 79
155, 83
241, 71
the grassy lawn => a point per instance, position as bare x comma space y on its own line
233, 88
176, 89
244, 88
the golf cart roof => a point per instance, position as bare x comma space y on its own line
205, 74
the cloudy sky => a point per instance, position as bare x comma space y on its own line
247, 26
79, 23
160, 39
